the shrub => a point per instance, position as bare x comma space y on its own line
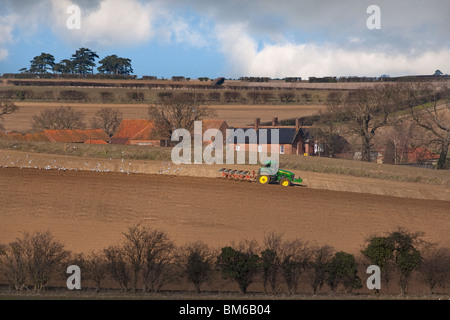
135, 96
342, 269
239, 266
107, 96
72, 95
197, 260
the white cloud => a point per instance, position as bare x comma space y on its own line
7, 24
3, 54
328, 59
6, 28
179, 31
111, 23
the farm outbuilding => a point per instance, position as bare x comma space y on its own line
217, 124
76, 136
139, 132
95, 142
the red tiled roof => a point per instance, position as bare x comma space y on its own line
40, 137
148, 133
76, 136
421, 153
96, 142
211, 124
127, 129
37, 137
14, 136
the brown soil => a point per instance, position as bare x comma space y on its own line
89, 210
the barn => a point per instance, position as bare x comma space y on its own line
139, 132
76, 136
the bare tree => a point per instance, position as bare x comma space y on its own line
13, 260
180, 111
295, 260
59, 118
367, 110
397, 140
360, 112
271, 260
429, 107
6, 107
135, 247
435, 267
317, 268
158, 255
117, 265
107, 119
37, 255
96, 268
329, 126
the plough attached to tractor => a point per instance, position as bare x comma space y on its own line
269, 173
237, 174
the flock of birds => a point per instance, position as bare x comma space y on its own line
28, 164
167, 169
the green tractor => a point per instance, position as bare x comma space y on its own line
270, 173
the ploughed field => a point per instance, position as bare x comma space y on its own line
89, 210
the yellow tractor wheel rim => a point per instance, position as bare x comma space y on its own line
263, 179
285, 183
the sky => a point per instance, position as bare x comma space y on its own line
232, 39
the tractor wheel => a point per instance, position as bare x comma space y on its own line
285, 182
263, 179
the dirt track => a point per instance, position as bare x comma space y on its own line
89, 210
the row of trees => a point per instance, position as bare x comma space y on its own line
82, 62
226, 96
367, 112
65, 117
148, 260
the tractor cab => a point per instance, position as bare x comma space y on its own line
270, 168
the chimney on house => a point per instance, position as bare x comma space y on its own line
274, 122
297, 123
257, 123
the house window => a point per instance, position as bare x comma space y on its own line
259, 148
238, 147
281, 149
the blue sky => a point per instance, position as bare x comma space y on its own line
196, 38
